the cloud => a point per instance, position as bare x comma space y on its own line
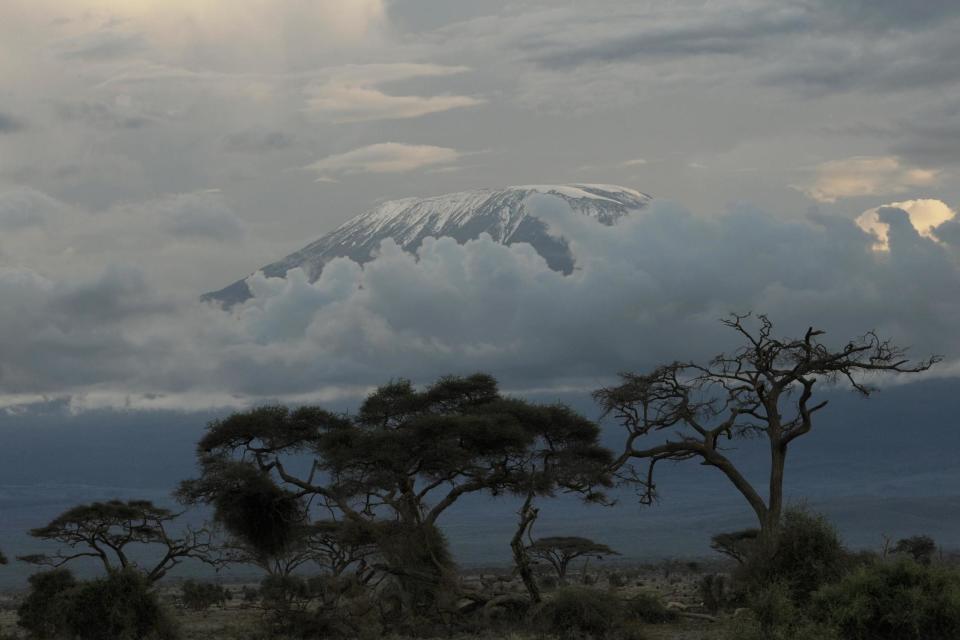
647, 290
9, 124
386, 157
198, 216
22, 208
102, 115
257, 141
169, 238
103, 44
351, 93
681, 34
866, 176
925, 215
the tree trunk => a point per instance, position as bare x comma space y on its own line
527, 516
770, 525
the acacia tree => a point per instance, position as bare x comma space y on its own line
763, 389
395, 467
107, 531
560, 551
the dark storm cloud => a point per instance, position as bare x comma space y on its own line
931, 135
891, 14
913, 62
735, 35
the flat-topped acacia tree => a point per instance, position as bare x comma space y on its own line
399, 463
107, 531
764, 389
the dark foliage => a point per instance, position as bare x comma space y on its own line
574, 613
901, 600
120, 606
806, 554
39, 612
200, 596
649, 608
920, 548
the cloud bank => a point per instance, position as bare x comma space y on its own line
645, 291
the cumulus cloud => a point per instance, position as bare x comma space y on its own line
385, 157
352, 93
866, 176
169, 237
925, 215
647, 290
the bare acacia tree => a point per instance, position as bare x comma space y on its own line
763, 389
107, 530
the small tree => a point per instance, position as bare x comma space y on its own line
107, 530
560, 551
737, 545
920, 548
764, 389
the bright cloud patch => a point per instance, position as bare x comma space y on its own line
925, 215
866, 176
386, 157
351, 93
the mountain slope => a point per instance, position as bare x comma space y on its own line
462, 216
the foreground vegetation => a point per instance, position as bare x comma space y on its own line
343, 514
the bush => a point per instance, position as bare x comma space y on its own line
648, 607
617, 579
575, 612
807, 555
281, 594
200, 596
715, 592
902, 600
120, 606
38, 613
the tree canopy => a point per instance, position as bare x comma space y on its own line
106, 531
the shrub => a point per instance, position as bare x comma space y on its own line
38, 613
648, 607
575, 612
715, 592
280, 594
807, 554
120, 606
617, 579
902, 600
200, 596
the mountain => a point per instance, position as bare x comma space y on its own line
501, 213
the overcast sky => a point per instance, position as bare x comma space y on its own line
152, 151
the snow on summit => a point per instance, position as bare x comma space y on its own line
501, 213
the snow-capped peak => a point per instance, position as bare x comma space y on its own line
501, 213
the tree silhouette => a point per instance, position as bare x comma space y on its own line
764, 389
107, 531
396, 465
560, 551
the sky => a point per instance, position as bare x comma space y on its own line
803, 158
